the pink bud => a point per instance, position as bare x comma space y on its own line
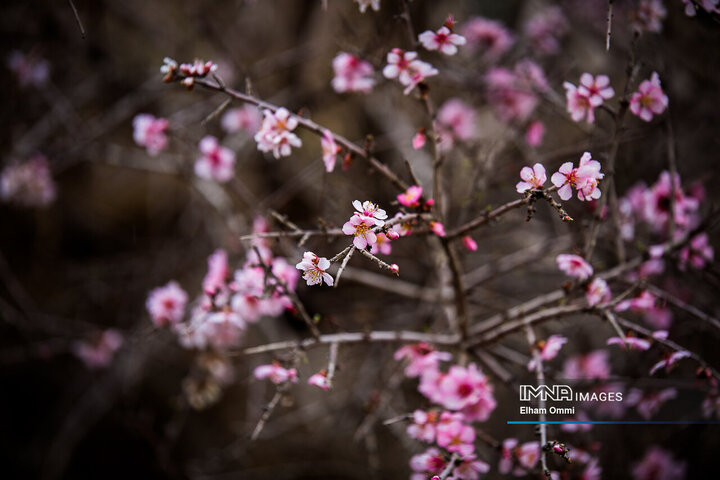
418, 140
392, 235
435, 477
558, 448
437, 228
394, 268
430, 203
469, 243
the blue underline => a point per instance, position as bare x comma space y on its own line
616, 422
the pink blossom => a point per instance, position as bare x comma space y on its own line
455, 121
649, 16
319, 380
535, 133
574, 266
381, 245
275, 134
330, 150
511, 96
506, 456
100, 352
364, 4
649, 403
596, 89
456, 436
649, 99
246, 118
418, 140
218, 272
593, 365
657, 203
533, 178
216, 162
285, 273
407, 68
430, 462
166, 304
470, 468
645, 303
29, 69
411, 196
548, 349
423, 426
465, 386
399, 65
276, 373
394, 268
669, 361
545, 29
352, 74
584, 179
631, 343
698, 253
437, 228
597, 292
421, 357
28, 184
658, 464
528, 454
371, 210
488, 36
469, 243
314, 269
360, 227
149, 132
579, 105
443, 40
402, 229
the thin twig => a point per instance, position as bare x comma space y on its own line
609, 25
267, 412
454, 460
344, 263
77, 18
332, 363
668, 343
459, 289
540, 375
610, 317
400, 336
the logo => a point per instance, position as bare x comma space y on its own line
556, 393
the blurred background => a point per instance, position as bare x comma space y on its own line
123, 222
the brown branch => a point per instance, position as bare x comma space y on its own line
540, 375
313, 127
401, 336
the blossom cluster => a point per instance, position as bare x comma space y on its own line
149, 132
276, 133
584, 179
464, 393
352, 74
186, 72
230, 301
28, 184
